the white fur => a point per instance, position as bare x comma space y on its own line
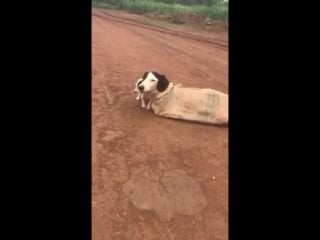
147, 97
150, 83
144, 97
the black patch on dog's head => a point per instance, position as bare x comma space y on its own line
145, 75
163, 82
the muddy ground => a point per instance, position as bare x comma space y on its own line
155, 178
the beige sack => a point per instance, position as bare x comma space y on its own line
202, 105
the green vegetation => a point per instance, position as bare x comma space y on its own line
214, 9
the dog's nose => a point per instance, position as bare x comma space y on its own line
141, 88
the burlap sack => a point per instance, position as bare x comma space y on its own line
202, 105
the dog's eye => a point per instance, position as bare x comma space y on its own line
153, 80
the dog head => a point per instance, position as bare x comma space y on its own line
153, 82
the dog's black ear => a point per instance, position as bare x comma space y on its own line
163, 82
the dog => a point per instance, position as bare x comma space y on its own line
145, 96
202, 105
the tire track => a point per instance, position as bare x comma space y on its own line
221, 44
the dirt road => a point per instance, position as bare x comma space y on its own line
137, 156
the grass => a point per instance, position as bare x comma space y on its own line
218, 11
99, 4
